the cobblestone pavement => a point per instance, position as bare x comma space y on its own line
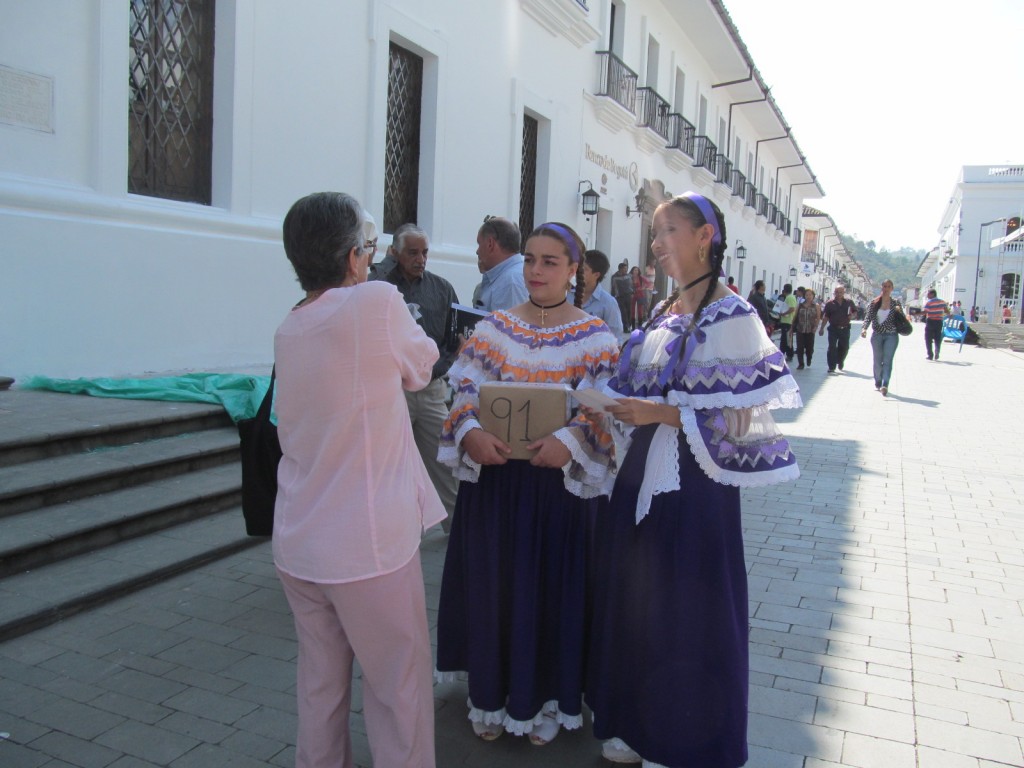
886, 590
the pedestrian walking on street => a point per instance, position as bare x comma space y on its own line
668, 665
512, 609
935, 311
881, 318
808, 316
757, 300
352, 507
836, 316
786, 318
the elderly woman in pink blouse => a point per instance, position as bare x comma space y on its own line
353, 497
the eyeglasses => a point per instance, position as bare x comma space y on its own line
371, 246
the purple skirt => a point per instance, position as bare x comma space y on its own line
668, 666
513, 592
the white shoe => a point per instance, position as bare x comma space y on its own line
617, 751
545, 732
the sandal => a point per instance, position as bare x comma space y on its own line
488, 731
545, 731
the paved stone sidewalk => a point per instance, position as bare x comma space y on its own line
886, 610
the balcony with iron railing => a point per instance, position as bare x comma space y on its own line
796, 235
652, 111
616, 80
704, 153
723, 169
761, 206
681, 134
739, 182
750, 195
769, 212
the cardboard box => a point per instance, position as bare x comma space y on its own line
520, 413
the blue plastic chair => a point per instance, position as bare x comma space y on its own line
954, 328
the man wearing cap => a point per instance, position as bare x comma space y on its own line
501, 264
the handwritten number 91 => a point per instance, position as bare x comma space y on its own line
501, 408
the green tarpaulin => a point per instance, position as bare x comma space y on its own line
240, 394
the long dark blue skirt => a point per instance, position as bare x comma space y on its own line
513, 593
668, 667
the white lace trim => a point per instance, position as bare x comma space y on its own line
781, 393
727, 477
522, 727
661, 472
597, 479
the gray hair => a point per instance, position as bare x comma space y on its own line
398, 239
505, 233
319, 232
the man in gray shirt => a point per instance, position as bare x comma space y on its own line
429, 298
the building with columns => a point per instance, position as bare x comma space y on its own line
152, 149
979, 259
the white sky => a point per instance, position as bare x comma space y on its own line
889, 98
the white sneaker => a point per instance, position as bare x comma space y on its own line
617, 751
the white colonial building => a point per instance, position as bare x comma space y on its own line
151, 149
825, 261
980, 256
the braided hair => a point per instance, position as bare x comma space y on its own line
693, 214
574, 249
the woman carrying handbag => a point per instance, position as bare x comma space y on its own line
886, 319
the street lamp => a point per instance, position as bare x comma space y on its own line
741, 250
977, 266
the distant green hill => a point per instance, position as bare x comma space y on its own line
899, 266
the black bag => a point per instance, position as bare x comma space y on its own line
903, 326
261, 453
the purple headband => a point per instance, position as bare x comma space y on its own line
709, 213
568, 237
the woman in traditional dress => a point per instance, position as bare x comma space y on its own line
668, 668
512, 605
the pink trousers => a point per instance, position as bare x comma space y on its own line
382, 622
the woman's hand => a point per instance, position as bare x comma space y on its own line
550, 452
635, 411
485, 448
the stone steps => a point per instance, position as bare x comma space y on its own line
98, 500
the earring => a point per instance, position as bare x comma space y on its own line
701, 255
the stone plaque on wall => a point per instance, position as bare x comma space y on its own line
26, 100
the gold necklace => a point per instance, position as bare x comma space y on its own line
543, 309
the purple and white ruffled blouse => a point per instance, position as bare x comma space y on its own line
726, 363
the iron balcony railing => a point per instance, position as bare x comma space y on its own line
762, 205
796, 235
769, 213
787, 226
704, 153
617, 81
681, 134
750, 195
739, 182
652, 111
723, 169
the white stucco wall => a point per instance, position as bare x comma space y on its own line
97, 282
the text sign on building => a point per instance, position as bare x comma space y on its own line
26, 100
